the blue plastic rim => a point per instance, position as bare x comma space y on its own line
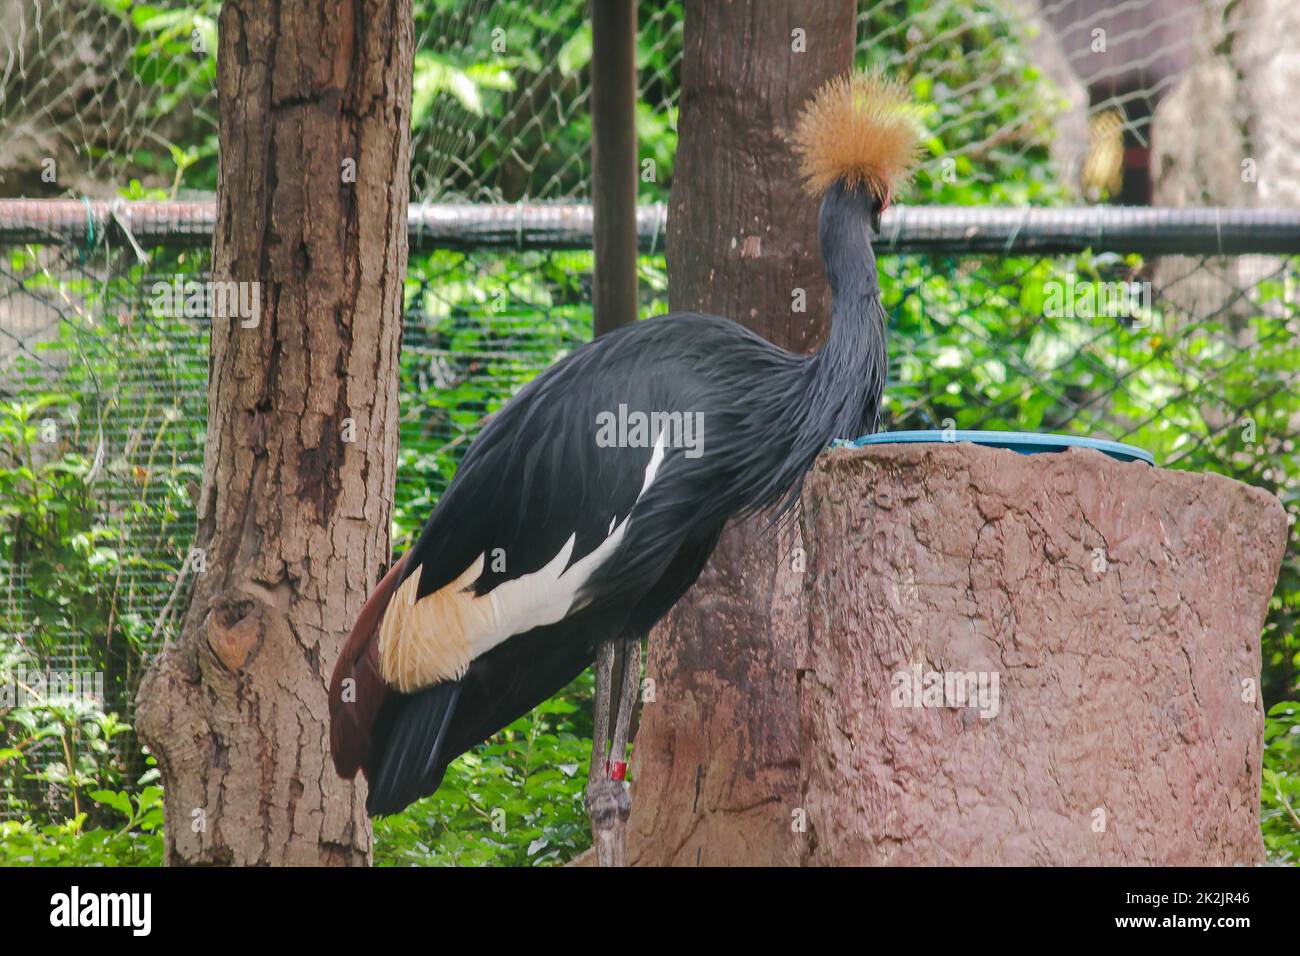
1026, 443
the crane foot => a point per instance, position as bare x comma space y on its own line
609, 804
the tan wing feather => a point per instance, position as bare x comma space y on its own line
430, 640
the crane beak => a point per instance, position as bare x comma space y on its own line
878, 210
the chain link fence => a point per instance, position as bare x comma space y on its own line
1177, 348
98, 97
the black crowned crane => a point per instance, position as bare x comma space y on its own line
591, 501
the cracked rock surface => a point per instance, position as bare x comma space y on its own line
1109, 612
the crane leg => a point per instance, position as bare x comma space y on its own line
618, 678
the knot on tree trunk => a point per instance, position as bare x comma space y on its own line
234, 629
235, 713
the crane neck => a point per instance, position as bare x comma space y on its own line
834, 393
856, 315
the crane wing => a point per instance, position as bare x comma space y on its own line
537, 508
431, 631
550, 541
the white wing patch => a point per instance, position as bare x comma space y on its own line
436, 637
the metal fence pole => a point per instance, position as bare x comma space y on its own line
613, 162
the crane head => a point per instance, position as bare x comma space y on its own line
861, 133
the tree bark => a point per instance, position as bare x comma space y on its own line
1105, 615
717, 754
293, 516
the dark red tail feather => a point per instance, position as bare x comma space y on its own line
352, 721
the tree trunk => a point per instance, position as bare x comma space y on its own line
717, 769
293, 516
1228, 134
1032, 660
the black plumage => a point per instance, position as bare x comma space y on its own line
538, 481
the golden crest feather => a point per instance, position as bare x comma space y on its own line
860, 128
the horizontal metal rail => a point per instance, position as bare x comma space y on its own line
934, 230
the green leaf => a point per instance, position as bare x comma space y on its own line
576, 52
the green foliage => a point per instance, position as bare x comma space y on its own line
174, 55
58, 750
500, 111
516, 801
1280, 816
96, 517
24, 843
989, 111
52, 533
67, 564
135, 841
